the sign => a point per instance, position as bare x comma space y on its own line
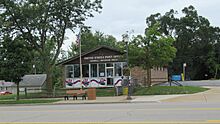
109, 58
176, 78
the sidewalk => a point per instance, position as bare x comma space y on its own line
120, 99
212, 95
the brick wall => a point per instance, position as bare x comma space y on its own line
158, 75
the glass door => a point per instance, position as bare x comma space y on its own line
110, 72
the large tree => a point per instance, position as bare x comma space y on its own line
15, 59
154, 49
196, 42
43, 22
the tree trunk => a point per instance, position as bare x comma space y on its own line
49, 80
216, 72
149, 77
17, 97
145, 82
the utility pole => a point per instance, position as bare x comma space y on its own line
126, 40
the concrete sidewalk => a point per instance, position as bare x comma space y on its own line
120, 99
212, 95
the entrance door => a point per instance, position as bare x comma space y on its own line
110, 73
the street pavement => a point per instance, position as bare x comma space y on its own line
132, 113
211, 83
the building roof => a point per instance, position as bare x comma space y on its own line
89, 52
36, 80
6, 84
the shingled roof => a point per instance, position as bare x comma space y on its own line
36, 80
89, 52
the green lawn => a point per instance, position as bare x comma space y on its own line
29, 101
154, 90
100, 92
165, 90
105, 92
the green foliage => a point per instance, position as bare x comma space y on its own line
153, 49
15, 58
91, 41
43, 23
195, 40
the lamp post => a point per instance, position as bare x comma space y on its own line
34, 67
125, 38
184, 71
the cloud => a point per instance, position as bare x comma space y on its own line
119, 16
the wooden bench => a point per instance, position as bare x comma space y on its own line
75, 94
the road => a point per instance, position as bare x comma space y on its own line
130, 112
211, 83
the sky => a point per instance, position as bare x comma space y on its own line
119, 16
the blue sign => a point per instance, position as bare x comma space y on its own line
176, 78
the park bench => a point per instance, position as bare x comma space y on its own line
75, 94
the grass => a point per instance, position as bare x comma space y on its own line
28, 101
32, 98
105, 92
167, 90
154, 90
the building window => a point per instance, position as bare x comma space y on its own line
69, 71
101, 70
76, 71
118, 69
85, 70
109, 64
94, 70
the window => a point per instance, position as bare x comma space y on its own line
76, 71
101, 70
109, 64
69, 71
94, 70
85, 70
118, 69
124, 64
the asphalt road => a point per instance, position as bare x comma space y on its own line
198, 83
131, 112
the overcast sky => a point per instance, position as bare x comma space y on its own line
119, 16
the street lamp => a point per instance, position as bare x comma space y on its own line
184, 71
125, 38
34, 69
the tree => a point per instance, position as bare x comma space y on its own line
195, 41
43, 22
91, 40
152, 49
15, 60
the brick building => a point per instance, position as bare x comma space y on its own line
158, 75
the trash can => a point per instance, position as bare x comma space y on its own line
125, 91
91, 93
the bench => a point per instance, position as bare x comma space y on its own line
75, 94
